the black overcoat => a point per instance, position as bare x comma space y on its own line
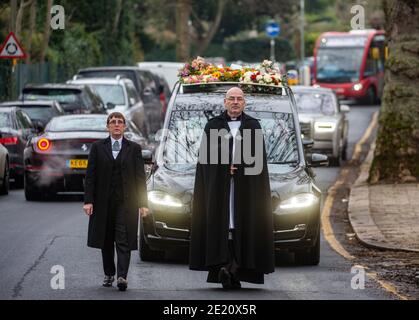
98, 183
254, 243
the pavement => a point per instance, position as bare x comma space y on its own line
384, 216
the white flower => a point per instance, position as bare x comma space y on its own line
248, 74
247, 79
259, 77
261, 82
266, 63
267, 78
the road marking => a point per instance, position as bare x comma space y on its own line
327, 208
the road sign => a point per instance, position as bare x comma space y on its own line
272, 29
11, 49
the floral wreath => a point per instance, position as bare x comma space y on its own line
266, 74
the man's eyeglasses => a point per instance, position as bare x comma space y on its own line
116, 121
239, 99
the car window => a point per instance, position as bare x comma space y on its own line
61, 95
131, 91
309, 102
148, 81
38, 113
21, 121
186, 128
109, 74
5, 120
79, 123
27, 120
110, 93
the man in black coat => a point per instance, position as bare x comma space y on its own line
232, 220
115, 194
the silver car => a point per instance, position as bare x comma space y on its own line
323, 120
118, 94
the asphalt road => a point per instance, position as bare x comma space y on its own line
36, 236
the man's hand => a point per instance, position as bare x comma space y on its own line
232, 169
88, 208
144, 212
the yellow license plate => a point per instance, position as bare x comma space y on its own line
77, 163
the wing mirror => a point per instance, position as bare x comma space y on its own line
147, 156
345, 108
110, 105
319, 160
308, 143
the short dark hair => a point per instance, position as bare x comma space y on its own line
117, 115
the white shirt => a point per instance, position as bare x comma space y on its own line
115, 153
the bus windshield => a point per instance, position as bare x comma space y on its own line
339, 65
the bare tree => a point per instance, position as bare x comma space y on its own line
32, 26
47, 31
13, 9
396, 157
183, 12
206, 38
118, 10
22, 7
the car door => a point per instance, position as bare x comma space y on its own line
25, 130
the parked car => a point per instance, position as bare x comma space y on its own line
56, 160
295, 196
168, 70
119, 94
16, 129
73, 98
165, 93
323, 120
144, 83
40, 112
4, 169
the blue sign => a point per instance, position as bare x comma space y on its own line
273, 29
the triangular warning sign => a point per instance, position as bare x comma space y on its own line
11, 49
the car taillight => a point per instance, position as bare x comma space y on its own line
43, 144
9, 140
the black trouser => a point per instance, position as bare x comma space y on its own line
116, 233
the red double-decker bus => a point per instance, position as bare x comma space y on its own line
351, 63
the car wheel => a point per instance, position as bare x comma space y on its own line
310, 256
31, 194
335, 161
371, 97
5, 185
146, 254
345, 151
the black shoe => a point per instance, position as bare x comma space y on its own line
235, 283
122, 284
108, 280
225, 278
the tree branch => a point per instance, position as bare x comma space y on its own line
213, 29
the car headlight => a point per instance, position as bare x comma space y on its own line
299, 201
357, 87
164, 199
324, 126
